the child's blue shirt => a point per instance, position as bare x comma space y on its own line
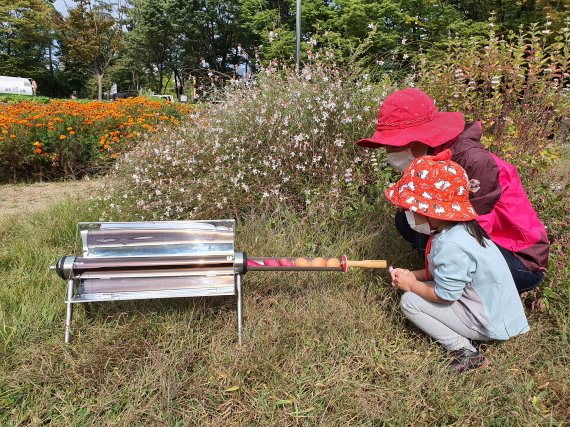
478, 279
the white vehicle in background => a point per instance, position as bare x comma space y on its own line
17, 85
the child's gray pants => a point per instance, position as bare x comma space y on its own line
439, 322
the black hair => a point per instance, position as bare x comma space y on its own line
474, 229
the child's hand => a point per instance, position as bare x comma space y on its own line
402, 278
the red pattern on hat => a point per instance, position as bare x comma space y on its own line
436, 187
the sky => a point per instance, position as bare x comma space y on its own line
60, 5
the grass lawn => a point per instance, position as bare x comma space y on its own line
320, 349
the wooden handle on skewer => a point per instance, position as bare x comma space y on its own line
369, 263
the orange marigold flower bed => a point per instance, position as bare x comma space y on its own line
83, 136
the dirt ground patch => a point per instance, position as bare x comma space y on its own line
20, 198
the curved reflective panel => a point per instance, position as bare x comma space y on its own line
157, 238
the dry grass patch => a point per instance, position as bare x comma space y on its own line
27, 198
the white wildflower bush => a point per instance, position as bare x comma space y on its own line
282, 139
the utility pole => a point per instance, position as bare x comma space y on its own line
298, 55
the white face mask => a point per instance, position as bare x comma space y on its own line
401, 159
423, 228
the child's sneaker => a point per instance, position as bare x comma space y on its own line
464, 360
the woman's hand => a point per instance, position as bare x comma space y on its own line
402, 279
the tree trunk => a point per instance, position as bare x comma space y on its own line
99, 85
51, 71
177, 84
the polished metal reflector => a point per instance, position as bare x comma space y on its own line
169, 238
120, 258
155, 259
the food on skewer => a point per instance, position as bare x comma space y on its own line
333, 262
318, 262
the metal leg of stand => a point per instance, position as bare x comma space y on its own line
239, 307
69, 310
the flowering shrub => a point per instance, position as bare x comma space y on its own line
519, 87
71, 138
281, 140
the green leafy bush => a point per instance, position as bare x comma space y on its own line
517, 86
9, 98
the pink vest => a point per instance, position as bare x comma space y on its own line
513, 223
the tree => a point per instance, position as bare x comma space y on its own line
400, 27
174, 37
511, 14
92, 36
26, 35
210, 29
150, 39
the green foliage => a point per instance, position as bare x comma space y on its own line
169, 39
26, 35
512, 14
150, 43
91, 38
8, 98
516, 85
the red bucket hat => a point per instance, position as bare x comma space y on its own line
410, 115
434, 186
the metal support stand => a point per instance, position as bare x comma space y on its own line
239, 306
69, 310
